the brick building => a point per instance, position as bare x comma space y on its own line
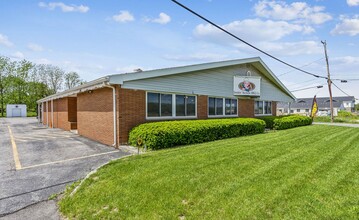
106, 109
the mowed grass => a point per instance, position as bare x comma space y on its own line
303, 173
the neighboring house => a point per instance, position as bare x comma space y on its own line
106, 109
303, 105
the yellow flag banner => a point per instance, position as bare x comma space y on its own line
314, 107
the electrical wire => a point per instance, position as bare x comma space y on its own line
304, 82
313, 87
341, 90
308, 64
252, 46
245, 42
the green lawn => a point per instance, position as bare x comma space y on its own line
303, 173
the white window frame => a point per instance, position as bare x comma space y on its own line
173, 107
263, 108
224, 108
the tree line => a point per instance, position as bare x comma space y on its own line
23, 82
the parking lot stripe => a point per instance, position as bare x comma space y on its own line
67, 160
14, 150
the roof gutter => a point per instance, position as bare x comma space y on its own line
99, 83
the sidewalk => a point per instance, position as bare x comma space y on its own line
337, 124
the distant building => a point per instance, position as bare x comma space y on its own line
303, 105
16, 110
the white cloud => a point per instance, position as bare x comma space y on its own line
5, 41
347, 26
123, 17
18, 55
250, 29
345, 60
163, 18
64, 7
296, 11
35, 47
353, 2
196, 57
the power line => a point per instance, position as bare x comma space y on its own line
308, 64
341, 89
304, 82
245, 42
254, 47
313, 87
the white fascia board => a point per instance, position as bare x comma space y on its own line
121, 78
95, 84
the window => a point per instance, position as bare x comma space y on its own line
267, 108
307, 110
185, 105
153, 104
159, 105
262, 108
291, 111
231, 106
170, 105
222, 106
298, 110
166, 105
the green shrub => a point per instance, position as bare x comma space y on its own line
31, 114
291, 122
157, 135
269, 120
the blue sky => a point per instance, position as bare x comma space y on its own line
97, 38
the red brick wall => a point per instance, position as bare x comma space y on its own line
47, 115
202, 107
131, 111
44, 121
95, 115
62, 114
246, 108
72, 109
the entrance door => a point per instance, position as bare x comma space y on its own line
16, 112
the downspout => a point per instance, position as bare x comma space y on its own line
47, 113
114, 114
52, 113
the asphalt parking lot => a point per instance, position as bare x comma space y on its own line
36, 162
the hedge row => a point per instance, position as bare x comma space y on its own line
291, 122
269, 120
157, 135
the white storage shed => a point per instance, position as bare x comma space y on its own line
16, 110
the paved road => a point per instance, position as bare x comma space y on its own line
36, 162
337, 124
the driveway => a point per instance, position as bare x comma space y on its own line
36, 162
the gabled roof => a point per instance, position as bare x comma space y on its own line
120, 79
323, 102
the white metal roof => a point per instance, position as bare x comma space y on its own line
119, 79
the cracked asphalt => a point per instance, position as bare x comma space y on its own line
48, 160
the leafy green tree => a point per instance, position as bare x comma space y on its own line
4, 61
72, 79
52, 76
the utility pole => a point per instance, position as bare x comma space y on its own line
329, 82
